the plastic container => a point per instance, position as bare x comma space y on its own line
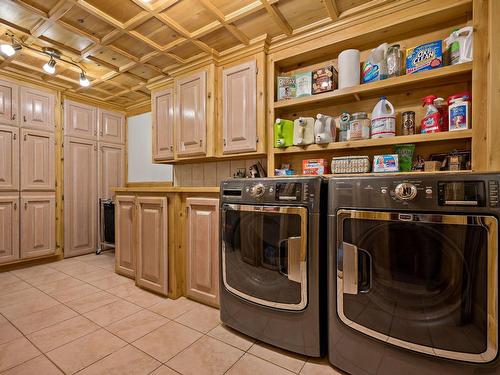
359, 127
283, 133
442, 106
343, 126
383, 122
375, 66
430, 122
459, 111
459, 45
303, 131
324, 129
394, 61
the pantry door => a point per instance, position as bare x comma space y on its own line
111, 126
9, 158
163, 125
37, 109
80, 120
111, 168
8, 103
37, 160
9, 227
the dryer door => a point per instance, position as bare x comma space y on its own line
264, 254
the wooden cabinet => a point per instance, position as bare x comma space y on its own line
203, 250
239, 109
37, 109
9, 227
80, 196
8, 103
190, 115
111, 168
163, 124
125, 229
80, 120
111, 126
37, 160
9, 158
38, 220
152, 244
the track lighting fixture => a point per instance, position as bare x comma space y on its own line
10, 49
50, 66
84, 82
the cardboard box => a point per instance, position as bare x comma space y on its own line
315, 166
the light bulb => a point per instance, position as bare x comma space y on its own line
50, 66
7, 49
84, 82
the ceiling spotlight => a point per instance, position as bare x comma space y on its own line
84, 81
50, 66
10, 49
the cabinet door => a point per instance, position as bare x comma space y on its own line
239, 110
203, 250
152, 244
9, 227
125, 247
38, 224
80, 197
163, 125
37, 160
111, 168
9, 158
37, 109
190, 124
8, 103
80, 120
111, 126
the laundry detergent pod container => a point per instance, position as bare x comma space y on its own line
283, 133
303, 131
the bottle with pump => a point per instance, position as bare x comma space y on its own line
432, 119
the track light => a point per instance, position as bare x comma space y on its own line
84, 82
50, 66
10, 49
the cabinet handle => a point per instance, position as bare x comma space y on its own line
15, 206
225, 143
13, 117
95, 148
209, 95
100, 133
201, 142
171, 148
95, 132
24, 118
25, 205
25, 137
15, 136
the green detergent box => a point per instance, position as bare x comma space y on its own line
424, 57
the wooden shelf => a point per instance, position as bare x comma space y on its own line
410, 174
415, 138
441, 76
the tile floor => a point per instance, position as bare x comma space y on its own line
78, 316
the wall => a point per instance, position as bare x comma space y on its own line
140, 165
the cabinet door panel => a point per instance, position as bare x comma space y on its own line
111, 169
9, 227
8, 103
125, 248
80, 197
111, 126
190, 125
152, 241
80, 120
163, 125
38, 224
239, 116
203, 250
9, 158
37, 109
37, 160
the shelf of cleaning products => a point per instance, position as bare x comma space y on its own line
366, 143
436, 77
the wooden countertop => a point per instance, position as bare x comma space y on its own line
168, 189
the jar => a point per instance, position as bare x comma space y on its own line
408, 123
359, 127
394, 61
343, 124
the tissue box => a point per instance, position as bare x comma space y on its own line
386, 163
315, 166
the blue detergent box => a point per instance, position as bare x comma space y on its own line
424, 57
386, 163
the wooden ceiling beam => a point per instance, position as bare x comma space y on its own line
332, 9
278, 17
58, 11
237, 33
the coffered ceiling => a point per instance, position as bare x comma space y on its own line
125, 44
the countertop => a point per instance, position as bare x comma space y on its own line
168, 189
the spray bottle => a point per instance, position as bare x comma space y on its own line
432, 119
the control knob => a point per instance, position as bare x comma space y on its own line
405, 191
257, 191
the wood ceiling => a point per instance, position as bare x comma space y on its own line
126, 44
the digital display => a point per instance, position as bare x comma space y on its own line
289, 191
462, 193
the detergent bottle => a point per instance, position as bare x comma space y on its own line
303, 131
459, 45
375, 66
283, 133
432, 119
324, 129
383, 119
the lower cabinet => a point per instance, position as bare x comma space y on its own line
9, 227
203, 250
125, 235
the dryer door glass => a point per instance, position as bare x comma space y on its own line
264, 254
424, 282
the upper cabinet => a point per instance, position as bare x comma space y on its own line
111, 126
37, 109
8, 103
80, 120
37, 160
111, 161
9, 158
191, 115
239, 108
163, 124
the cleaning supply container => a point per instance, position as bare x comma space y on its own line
383, 119
459, 45
324, 129
359, 127
303, 131
283, 133
432, 119
459, 111
375, 66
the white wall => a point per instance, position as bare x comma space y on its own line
140, 166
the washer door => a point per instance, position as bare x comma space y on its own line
264, 254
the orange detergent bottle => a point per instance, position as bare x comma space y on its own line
430, 122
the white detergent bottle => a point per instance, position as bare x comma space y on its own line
459, 45
383, 119
323, 129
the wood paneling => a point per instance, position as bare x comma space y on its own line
37, 109
37, 160
80, 120
163, 124
111, 168
111, 126
125, 235
9, 158
9, 227
8, 103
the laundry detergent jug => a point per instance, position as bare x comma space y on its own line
383, 123
324, 129
375, 66
459, 45
303, 131
283, 133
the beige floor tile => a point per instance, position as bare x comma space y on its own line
143, 298
8, 332
319, 366
164, 370
66, 265
62, 333
137, 325
19, 296
127, 360
7, 278
283, 358
98, 274
56, 286
84, 351
44, 318
206, 356
231, 337
123, 290
91, 302
29, 306
47, 278
70, 294
173, 308
202, 318
112, 312
79, 269
36, 366
13, 286
33, 272
111, 282
16, 352
167, 341
252, 365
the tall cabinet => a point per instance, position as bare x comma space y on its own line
94, 163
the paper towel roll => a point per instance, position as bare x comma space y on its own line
349, 68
